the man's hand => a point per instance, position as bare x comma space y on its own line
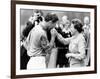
53, 32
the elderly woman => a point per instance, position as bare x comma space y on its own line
76, 43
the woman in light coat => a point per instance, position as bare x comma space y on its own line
77, 44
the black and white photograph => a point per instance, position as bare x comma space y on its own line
55, 39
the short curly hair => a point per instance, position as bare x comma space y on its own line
77, 24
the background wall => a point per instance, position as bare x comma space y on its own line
5, 53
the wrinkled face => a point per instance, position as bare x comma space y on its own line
73, 30
86, 20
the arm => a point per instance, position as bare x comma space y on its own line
51, 43
63, 40
53, 35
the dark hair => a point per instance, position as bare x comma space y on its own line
51, 17
38, 11
77, 25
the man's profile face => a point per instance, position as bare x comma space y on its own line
51, 25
